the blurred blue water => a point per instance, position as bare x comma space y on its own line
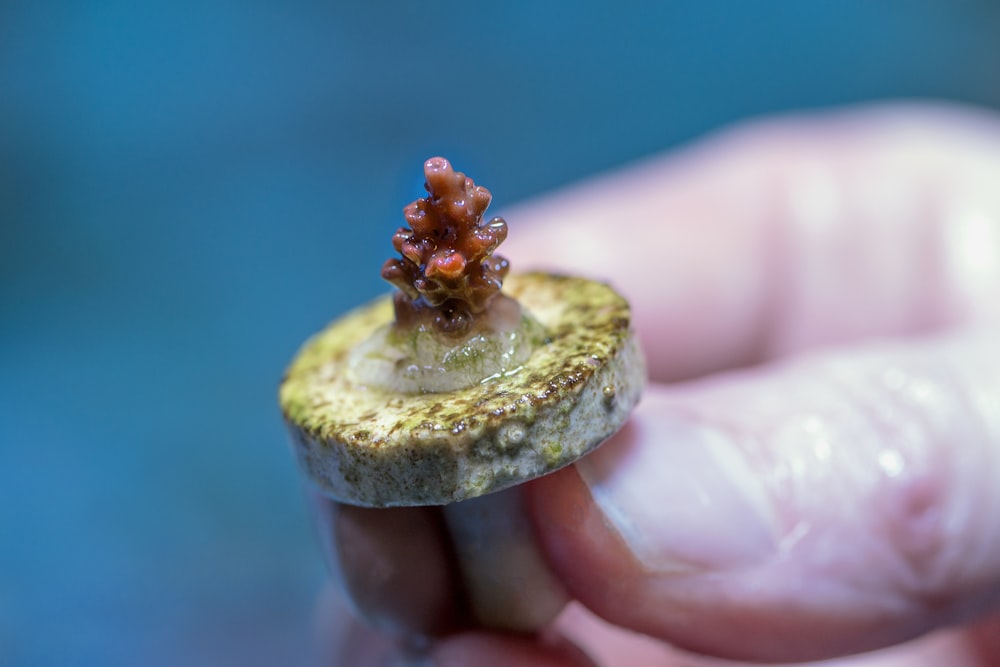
187, 190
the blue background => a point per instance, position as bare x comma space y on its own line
189, 189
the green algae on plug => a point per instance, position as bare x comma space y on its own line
378, 447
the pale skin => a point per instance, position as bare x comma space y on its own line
814, 469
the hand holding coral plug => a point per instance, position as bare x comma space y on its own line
815, 471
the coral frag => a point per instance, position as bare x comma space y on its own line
447, 274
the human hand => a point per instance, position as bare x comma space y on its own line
814, 470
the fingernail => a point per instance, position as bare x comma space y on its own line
683, 497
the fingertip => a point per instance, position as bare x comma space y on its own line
578, 541
393, 565
661, 500
778, 503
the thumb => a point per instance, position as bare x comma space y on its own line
815, 508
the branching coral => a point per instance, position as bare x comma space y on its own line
447, 274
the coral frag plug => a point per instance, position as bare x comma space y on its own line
467, 381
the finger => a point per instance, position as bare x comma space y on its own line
393, 564
788, 235
832, 505
610, 645
343, 640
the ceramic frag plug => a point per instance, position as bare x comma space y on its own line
454, 389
